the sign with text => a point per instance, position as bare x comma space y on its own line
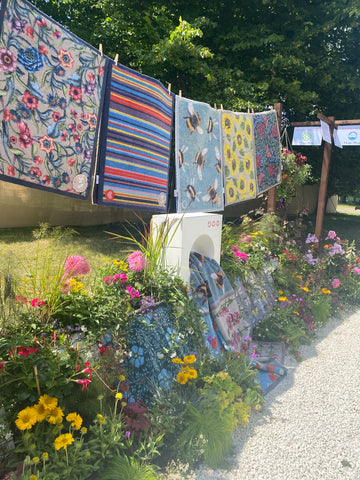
349, 134
307, 136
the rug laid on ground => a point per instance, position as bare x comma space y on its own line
151, 336
227, 326
267, 148
238, 152
136, 141
199, 184
51, 87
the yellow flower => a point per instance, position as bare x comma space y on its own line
48, 402
241, 184
41, 412
248, 164
119, 395
100, 418
283, 299
248, 129
45, 455
176, 360
62, 441
239, 140
55, 415
120, 263
227, 122
326, 291
296, 313
182, 377
75, 419
230, 191
36, 459
305, 289
33, 477
280, 292
189, 359
83, 430
122, 378
26, 418
75, 286
191, 372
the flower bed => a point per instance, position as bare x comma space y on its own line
70, 360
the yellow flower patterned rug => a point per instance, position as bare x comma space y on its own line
238, 152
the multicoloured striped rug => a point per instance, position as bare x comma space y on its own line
267, 147
238, 152
51, 85
199, 184
136, 140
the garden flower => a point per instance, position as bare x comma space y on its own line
75, 419
62, 441
132, 292
191, 372
336, 283
55, 416
119, 396
245, 238
336, 249
241, 255
356, 270
41, 412
2, 365
76, 265
310, 259
176, 360
311, 238
182, 377
26, 351
326, 291
48, 403
36, 303
84, 382
136, 261
189, 359
331, 235
26, 418
121, 276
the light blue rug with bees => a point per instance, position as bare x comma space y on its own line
199, 184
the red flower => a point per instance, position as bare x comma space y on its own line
7, 115
91, 77
56, 116
36, 302
57, 34
71, 161
271, 170
80, 127
38, 160
101, 70
275, 131
13, 140
40, 21
45, 180
10, 171
29, 32
75, 93
26, 351
2, 365
65, 58
84, 382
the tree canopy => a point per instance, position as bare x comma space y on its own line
247, 54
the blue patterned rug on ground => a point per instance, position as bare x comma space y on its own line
228, 328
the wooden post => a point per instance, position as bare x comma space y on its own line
271, 202
324, 180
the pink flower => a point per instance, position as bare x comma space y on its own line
84, 382
36, 303
108, 280
336, 283
245, 238
234, 249
26, 351
331, 235
121, 276
132, 292
76, 265
356, 270
2, 365
136, 261
241, 255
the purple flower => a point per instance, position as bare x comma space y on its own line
310, 259
336, 249
127, 433
311, 238
89, 88
17, 25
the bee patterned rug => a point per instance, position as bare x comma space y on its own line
51, 86
199, 185
238, 152
136, 140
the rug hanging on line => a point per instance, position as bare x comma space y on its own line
267, 148
51, 86
238, 153
199, 184
136, 140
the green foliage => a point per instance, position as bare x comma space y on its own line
128, 468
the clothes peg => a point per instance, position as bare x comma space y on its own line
180, 93
116, 59
100, 49
169, 88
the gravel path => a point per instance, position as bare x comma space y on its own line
310, 426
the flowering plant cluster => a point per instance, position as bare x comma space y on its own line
186, 373
295, 171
